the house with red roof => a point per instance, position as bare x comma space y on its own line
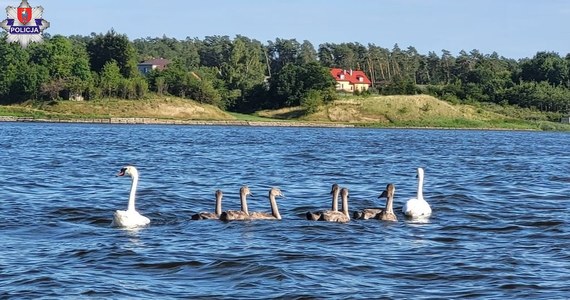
350, 81
155, 63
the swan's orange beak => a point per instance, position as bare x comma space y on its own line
122, 172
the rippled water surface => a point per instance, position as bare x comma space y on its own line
500, 226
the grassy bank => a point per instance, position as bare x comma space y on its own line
379, 111
416, 111
161, 108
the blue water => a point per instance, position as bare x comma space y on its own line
500, 227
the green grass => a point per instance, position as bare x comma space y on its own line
15, 111
464, 123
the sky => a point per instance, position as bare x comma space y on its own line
512, 28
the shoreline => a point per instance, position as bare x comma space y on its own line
157, 121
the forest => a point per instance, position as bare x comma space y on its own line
244, 75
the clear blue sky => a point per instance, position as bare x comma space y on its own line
512, 28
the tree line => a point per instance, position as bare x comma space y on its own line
244, 75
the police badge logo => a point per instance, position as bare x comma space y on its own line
24, 24
24, 14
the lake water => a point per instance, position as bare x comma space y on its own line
500, 226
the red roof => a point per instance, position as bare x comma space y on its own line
160, 63
351, 76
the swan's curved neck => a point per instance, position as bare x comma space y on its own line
243, 198
389, 204
345, 205
274, 208
335, 200
420, 194
218, 205
134, 183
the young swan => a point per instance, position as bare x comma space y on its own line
209, 215
131, 217
388, 213
368, 213
238, 215
274, 215
417, 207
337, 216
335, 190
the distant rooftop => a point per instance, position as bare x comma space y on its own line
151, 64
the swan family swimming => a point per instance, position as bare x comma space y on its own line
415, 208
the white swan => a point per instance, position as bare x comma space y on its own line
417, 207
209, 215
337, 216
238, 215
130, 217
388, 213
274, 215
314, 216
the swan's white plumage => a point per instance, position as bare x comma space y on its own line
126, 218
418, 207
131, 217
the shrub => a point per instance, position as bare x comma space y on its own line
311, 101
426, 107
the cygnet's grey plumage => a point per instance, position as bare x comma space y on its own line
211, 215
335, 190
388, 213
337, 216
238, 215
274, 215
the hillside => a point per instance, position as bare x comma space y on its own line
161, 108
378, 111
410, 111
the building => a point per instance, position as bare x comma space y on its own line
565, 119
149, 65
350, 81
